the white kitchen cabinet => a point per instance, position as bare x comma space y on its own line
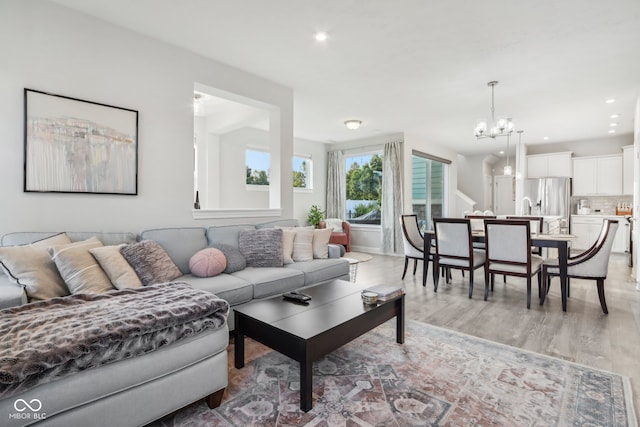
597, 175
627, 170
587, 228
553, 164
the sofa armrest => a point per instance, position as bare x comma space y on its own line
336, 251
11, 294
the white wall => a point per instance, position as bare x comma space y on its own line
588, 147
50, 48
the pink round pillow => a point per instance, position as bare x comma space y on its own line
208, 262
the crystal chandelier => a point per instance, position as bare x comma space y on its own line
501, 127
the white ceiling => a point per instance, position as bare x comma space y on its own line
418, 66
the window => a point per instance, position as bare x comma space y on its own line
428, 187
364, 188
257, 163
302, 172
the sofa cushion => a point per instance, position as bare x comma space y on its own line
227, 234
235, 260
179, 243
271, 280
79, 269
261, 247
207, 262
31, 267
119, 271
320, 270
232, 289
321, 243
150, 262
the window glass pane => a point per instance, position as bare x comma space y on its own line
257, 167
302, 172
427, 189
364, 188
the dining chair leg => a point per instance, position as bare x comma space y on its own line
568, 288
528, 292
504, 278
486, 283
425, 271
470, 283
493, 279
603, 303
415, 266
447, 275
436, 274
406, 263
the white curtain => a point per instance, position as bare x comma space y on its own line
392, 197
336, 183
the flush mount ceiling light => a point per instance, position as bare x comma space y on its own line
353, 124
610, 101
501, 127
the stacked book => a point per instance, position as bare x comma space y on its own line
384, 292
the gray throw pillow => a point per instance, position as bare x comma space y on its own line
151, 262
235, 260
261, 247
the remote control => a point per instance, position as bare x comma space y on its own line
297, 296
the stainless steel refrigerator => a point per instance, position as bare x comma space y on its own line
547, 196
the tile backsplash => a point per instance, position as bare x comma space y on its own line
606, 205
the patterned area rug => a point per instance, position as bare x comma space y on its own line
437, 378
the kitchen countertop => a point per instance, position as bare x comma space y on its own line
599, 215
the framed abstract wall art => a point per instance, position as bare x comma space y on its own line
77, 146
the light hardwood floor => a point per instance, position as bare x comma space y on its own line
583, 334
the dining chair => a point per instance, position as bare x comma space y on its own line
454, 249
477, 224
592, 264
413, 243
509, 253
535, 228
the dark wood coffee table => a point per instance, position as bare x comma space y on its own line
335, 316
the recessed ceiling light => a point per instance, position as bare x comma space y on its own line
614, 116
610, 101
501, 152
613, 124
612, 131
546, 138
321, 36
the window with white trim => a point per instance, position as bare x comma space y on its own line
257, 165
302, 172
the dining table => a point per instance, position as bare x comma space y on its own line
557, 241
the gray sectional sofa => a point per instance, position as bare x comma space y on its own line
139, 390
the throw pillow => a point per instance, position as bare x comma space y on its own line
151, 262
207, 262
261, 247
321, 242
303, 245
31, 267
288, 236
334, 224
79, 268
116, 267
235, 260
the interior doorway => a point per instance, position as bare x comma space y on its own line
504, 197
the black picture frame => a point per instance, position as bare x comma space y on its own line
76, 146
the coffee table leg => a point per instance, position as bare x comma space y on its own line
306, 384
400, 320
238, 346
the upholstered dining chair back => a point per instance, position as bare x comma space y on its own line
508, 241
477, 221
452, 238
535, 226
594, 263
411, 237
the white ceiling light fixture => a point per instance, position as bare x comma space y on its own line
610, 101
353, 124
501, 127
614, 116
612, 131
518, 148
